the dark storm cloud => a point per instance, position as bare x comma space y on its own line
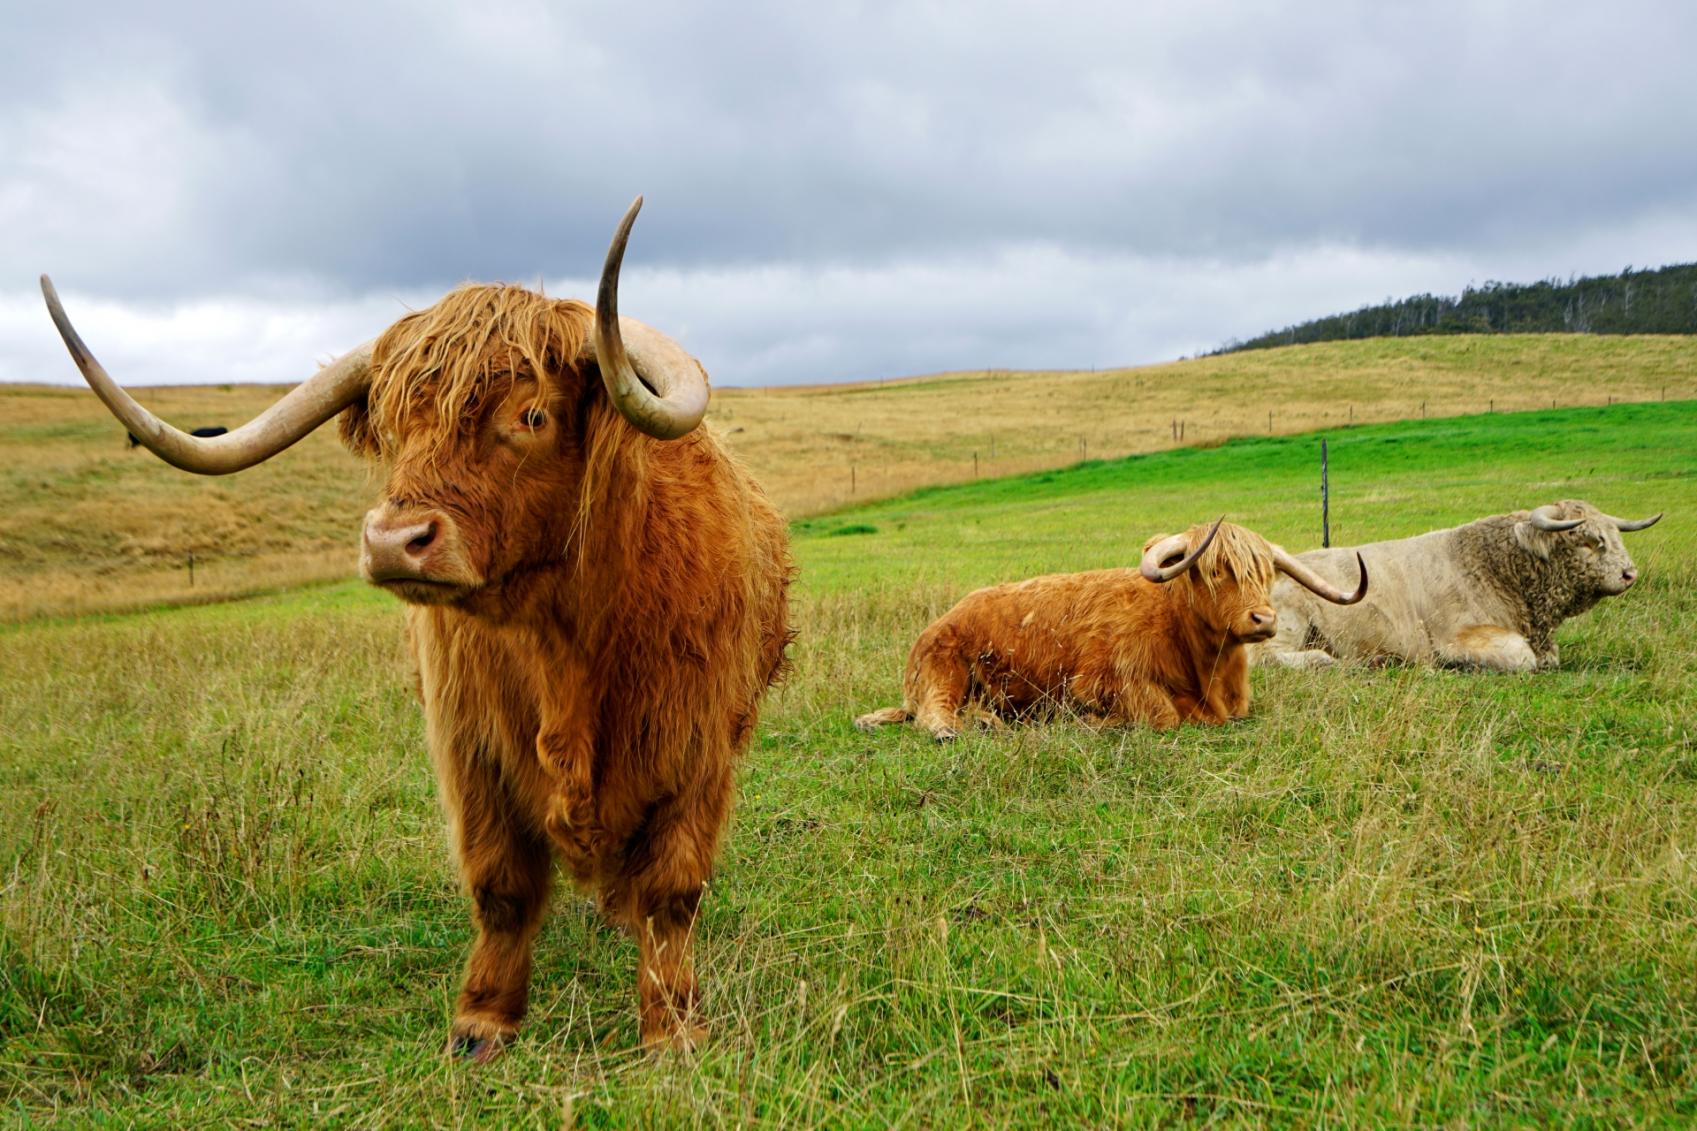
1006, 160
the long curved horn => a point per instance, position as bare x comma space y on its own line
1151, 566
1314, 583
678, 399
1544, 518
298, 412
1627, 526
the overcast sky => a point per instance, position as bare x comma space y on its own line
834, 191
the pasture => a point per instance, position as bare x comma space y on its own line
87, 526
1390, 896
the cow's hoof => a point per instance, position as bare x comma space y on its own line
945, 734
685, 1037
472, 1049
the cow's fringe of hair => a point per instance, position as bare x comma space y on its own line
1238, 552
453, 354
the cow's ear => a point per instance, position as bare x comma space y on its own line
356, 430
1534, 541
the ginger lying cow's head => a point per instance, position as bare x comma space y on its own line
1227, 572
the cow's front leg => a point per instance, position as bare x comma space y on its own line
1490, 647
656, 899
1312, 658
1234, 702
668, 1002
1141, 701
506, 870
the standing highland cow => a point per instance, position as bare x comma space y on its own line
596, 601
1161, 644
1486, 595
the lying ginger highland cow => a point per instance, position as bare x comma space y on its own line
1162, 644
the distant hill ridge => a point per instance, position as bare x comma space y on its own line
1661, 300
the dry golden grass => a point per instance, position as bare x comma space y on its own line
89, 526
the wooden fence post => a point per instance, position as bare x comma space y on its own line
1325, 500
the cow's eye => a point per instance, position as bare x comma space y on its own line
532, 419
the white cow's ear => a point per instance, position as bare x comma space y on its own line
1534, 541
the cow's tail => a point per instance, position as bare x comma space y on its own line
883, 718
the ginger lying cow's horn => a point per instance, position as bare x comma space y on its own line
1544, 518
1314, 583
1627, 525
1151, 566
298, 412
653, 382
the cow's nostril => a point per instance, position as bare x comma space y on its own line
422, 542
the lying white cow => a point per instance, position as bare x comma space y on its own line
1486, 595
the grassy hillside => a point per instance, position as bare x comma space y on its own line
1390, 896
87, 525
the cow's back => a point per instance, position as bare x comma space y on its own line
1031, 644
1423, 589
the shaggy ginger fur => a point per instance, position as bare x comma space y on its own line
603, 612
1108, 645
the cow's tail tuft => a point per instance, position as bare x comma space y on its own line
883, 718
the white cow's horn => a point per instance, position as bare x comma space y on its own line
1627, 526
1544, 518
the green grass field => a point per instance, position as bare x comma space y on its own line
1390, 896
